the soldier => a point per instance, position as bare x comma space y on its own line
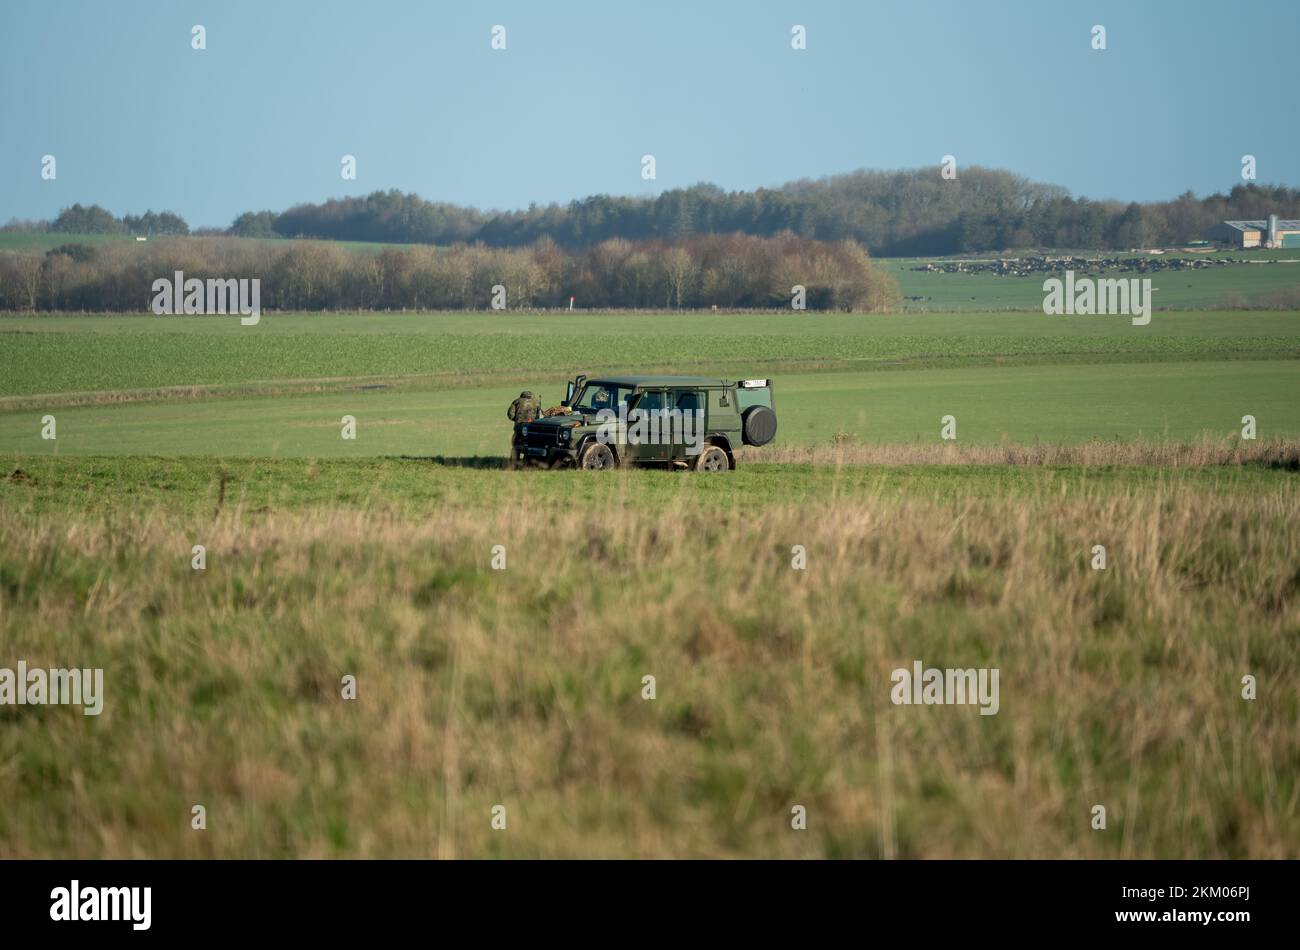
524, 409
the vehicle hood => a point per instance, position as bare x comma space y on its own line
555, 422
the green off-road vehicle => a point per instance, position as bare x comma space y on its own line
675, 421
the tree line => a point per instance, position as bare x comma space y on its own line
92, 219
726, 271
891, 213
898, 213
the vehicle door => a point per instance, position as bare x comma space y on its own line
654, 445
689, 423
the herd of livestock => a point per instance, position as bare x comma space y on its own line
1031, 266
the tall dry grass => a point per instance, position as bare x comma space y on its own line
523, 687
847, 450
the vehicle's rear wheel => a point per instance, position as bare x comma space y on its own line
712, 459
597, 457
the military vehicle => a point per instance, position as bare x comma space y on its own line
693, 422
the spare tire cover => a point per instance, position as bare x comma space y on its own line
759, 425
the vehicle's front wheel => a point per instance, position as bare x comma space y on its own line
712, 459
597, 457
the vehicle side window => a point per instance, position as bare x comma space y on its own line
688, 400
652, 401
597, 396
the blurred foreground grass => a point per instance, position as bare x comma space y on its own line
523, 687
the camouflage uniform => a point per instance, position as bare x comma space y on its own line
524, 409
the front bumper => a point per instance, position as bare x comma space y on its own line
548, 454
543, 445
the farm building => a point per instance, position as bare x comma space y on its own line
1271, 233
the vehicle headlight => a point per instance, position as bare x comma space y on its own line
564, 435
524, 432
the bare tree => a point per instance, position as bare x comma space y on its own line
681, 271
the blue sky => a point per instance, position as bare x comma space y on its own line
260, 119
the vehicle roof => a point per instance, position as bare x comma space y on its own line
658, 380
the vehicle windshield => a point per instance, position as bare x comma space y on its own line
597, 396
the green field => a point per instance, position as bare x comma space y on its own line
1271, 278
38, 242
439, 383
1022, 404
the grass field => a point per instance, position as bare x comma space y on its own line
523, 687
38, 242
1019, 404
1271, 278
435, 384
61, 354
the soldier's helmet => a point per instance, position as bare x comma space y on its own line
525, 395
